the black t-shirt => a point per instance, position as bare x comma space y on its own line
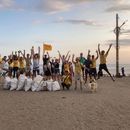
45, 61
87, 63
56, 65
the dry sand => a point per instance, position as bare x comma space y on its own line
108, 109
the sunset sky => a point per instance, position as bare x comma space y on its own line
76, 25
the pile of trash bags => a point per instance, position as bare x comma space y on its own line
25, 83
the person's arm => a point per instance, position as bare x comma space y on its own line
48, 55
18, 55
108, 49
97, 55
60, 55
23, 54
99, 49
73, 59
67, 55
68, 58
59, 59
32, 52
88, 53
39, 51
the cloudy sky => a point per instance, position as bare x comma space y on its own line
76, 25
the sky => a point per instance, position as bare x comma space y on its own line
75, 25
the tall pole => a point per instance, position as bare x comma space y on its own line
117, 46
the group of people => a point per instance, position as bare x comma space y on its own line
78, 68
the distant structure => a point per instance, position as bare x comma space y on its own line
117, 32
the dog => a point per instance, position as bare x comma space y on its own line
92, 85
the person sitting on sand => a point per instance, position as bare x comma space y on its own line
78, 72
103, 57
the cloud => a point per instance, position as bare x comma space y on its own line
126, 32
121, 7
118, 5
46, 6
76, 21
6, 4
122, 42
54, 6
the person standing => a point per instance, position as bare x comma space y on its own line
82, 61
78, 72
93, 66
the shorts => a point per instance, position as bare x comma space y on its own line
103, 66
57, 71
93, 71
87, 71
78, 77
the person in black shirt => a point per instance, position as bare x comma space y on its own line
87, 66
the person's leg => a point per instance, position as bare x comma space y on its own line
86, 75
100, 71
68, 87
17, 72
14, 71
81, 85
63, 85
38, 71
106, 69
75, 84
94, 73
83, 72
34, 73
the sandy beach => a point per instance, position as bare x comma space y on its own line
108, 109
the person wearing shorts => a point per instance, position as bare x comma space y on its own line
103, 65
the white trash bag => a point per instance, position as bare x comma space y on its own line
13, 84
28, 84
34, 87
38, 79
21, 82
55, 86
49, 85
41, 86
7, 83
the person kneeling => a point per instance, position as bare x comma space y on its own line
66, 80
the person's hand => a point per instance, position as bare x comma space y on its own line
96, 51
110, 45
98, 45
88, 51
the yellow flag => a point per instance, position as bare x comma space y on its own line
47, 47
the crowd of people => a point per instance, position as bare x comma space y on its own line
78, 68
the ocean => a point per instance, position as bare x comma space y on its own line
111, 68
